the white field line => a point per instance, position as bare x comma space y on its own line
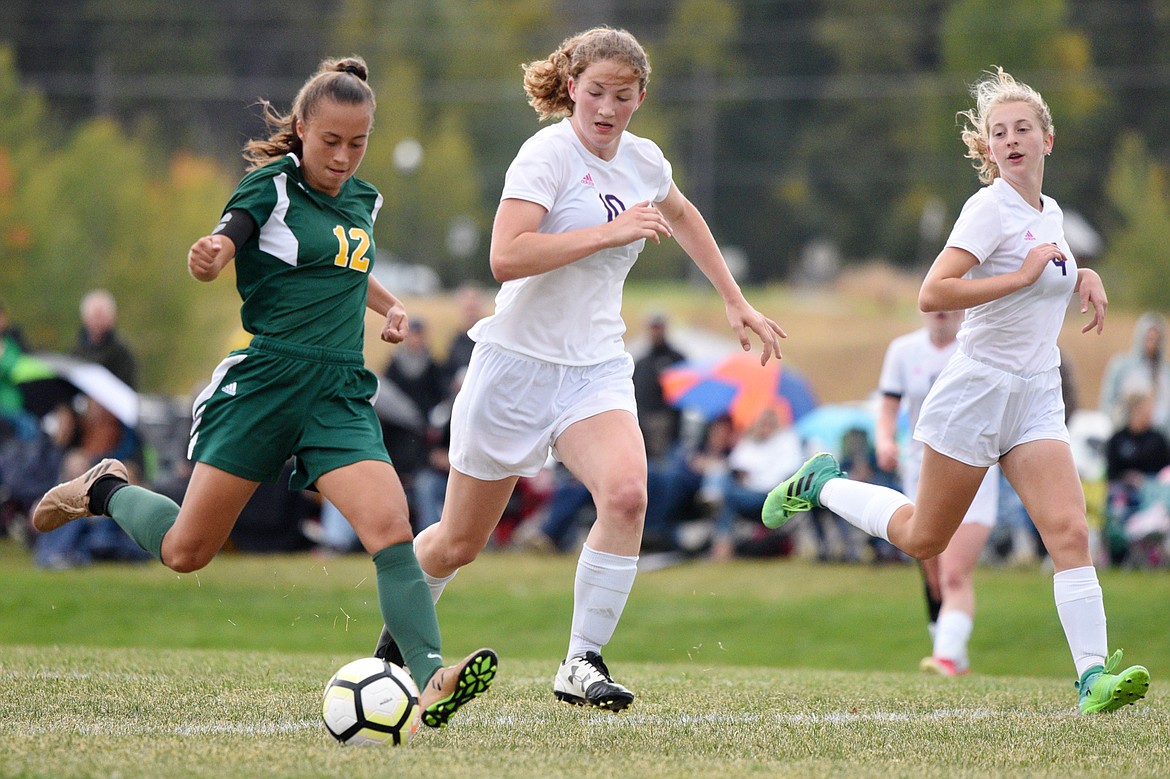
533, 721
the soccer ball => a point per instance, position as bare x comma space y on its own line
370, 701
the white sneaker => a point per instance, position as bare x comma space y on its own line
585, 681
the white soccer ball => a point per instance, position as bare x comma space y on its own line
370, 701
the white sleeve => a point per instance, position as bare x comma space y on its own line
979, 228
534, 175
893, 378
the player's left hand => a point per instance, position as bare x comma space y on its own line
396, 325
1092, 293
742, 317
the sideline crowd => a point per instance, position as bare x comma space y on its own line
707, 479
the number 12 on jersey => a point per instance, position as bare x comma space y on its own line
357, 260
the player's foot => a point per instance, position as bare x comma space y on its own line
70, 500
1102, 690
451, 687
585, 681
801, 492
387, 649
942, 666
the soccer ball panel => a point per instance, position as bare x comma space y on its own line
369, 701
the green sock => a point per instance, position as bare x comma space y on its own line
408, 611
145, 516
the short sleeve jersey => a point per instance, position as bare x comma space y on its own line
303, 273
1018, 332
911, 365
572, 315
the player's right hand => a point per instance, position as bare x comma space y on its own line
209, 255
640, 221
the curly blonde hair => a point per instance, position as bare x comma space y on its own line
546, 81
341, 80
995, 89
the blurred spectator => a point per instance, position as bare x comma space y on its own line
768, 451
1142, 368
686, 483
99, 341
472, 304
413, 370
567, 501
12, 346
657, 418
859, 460
100, 434
1133, 455
30, 466
430, 480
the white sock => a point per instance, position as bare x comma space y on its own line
435, 583
950, 641
600, 591
868, 507
1082, 615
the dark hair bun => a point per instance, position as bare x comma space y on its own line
349, 66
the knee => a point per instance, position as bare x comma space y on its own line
624, 500
186, 560
923, 548
440, 553
461, 553
1070, 538
953, 580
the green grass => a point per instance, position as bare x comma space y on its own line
765, 668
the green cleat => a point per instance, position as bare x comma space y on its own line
802, 491
1102, 690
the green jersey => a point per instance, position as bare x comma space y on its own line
303, 273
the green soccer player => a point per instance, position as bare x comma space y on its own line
300, 229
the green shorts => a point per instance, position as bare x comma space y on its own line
275, 400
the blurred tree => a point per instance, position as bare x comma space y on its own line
863, 154
1034, 41
99, 210
1135, 261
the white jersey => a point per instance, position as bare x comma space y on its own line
1016, 333
572, 315
911, 365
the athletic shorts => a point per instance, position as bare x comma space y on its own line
984, 508
975, 413
275, 400
512, 408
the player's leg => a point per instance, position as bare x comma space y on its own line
184, 538
369, 494
932, 592
957, 587
471, 510
1045, 477
607, 454
946, 488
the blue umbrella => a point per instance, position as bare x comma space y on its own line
824, 427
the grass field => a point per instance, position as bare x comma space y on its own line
765, 668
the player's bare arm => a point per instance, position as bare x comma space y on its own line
519, 250
693, 234
382, 301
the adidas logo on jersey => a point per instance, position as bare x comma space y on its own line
1028, 236
588, 180
229, 389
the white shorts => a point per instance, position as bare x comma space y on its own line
512, 408
975, 413
984, 508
